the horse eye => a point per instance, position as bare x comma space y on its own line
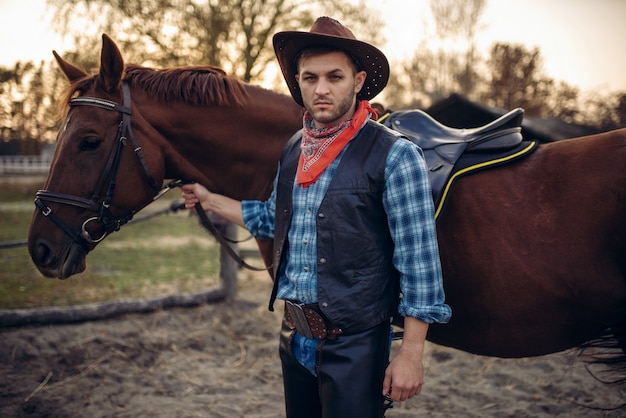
90, 143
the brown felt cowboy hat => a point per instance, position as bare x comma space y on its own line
327, 32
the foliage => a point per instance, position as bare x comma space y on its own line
516, 79
231, 34
604, 113
459, 20
450, 65
510, 76
27, 105
236, 35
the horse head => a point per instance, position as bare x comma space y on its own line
96, 151
192, 123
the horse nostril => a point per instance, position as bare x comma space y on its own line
42, 254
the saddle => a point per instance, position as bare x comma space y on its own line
448, 150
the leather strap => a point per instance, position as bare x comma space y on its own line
206, 222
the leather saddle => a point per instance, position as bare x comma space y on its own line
443, 146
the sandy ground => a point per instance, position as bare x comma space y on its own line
221, 360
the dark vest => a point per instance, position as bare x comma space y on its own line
357, 285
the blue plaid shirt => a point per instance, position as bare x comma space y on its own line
408, 203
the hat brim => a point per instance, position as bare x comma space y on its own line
288, 45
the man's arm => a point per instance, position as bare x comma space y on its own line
404, 376
408, 202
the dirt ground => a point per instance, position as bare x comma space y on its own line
221, 360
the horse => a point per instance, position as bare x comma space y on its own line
533, 253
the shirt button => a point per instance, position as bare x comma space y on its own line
303, 298
305, 241
306, 268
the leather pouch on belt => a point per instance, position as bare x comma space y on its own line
306, 321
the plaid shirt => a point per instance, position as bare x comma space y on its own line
408, 203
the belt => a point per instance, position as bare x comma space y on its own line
309, 321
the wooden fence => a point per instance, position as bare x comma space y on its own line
24, 164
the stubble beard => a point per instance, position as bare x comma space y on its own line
335, 114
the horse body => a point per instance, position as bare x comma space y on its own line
532, 253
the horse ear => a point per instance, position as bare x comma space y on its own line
71, 71
111, 65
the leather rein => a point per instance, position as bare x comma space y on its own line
100, 201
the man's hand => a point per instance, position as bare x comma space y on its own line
404, 376
194, 193
228, 208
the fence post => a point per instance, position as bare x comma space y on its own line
228, 267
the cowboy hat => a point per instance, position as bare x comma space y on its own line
327, 32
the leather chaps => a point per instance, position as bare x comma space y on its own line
350, 373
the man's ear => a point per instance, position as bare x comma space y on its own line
359, 80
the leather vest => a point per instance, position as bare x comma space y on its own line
357, 285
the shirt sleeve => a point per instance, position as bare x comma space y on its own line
411, 215
259, 217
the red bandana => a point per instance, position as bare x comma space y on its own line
321, 146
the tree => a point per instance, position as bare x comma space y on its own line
517, 79
232, 34
420, 81
27, 106
564, 103
620, 109
447, 64
604, 111
458, 21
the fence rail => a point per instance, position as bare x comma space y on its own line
24, 164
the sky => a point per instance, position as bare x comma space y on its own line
580, 41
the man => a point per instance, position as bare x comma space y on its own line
352, 220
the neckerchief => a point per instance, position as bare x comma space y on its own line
321, 146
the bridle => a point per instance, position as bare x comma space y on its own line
100, 201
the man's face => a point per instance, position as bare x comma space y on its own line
329, 86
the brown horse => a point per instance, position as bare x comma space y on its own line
534, 253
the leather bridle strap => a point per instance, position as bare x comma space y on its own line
137, 149
47, 212
104, 216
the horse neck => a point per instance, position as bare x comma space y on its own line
231, 150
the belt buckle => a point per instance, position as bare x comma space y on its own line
299, 319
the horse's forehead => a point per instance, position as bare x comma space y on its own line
88, 118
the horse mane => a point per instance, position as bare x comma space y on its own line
197, 85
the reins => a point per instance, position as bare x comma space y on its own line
221, 239
208, 225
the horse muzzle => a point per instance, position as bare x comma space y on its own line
57, 261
